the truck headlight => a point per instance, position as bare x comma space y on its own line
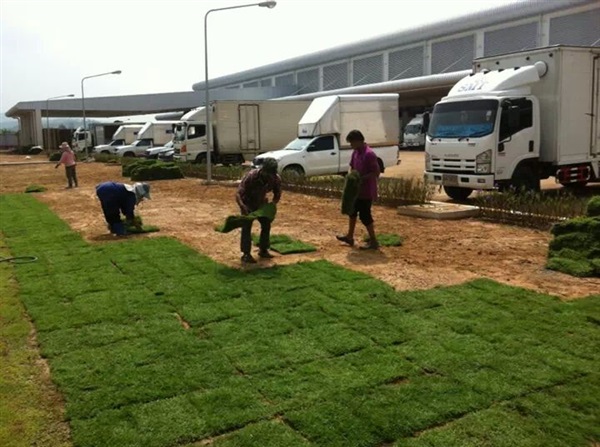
427, 161
483, 162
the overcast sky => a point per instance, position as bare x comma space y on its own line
48, 46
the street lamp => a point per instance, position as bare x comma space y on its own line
48, 117
270, 5
116, 72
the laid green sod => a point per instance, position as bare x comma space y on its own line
132, 229
21, 381
35, 188
387, 239
303, 355
285, 245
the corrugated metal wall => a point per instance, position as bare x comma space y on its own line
514, 38
443, 56
576, 29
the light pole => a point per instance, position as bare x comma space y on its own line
116, 72
48, 117
270, 5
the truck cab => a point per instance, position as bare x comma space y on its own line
413, 136
517, 119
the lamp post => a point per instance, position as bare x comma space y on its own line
48, 117
116, 72
270, 5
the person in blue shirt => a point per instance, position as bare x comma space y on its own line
117, 198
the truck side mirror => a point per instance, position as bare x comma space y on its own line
514, 118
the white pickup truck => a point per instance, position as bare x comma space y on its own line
321, 149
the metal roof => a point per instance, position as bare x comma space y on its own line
141, 104
516, 11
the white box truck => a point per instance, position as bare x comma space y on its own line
321, 147
124, 135
241, 130
154, 133
413, 136
518, 118
82, 140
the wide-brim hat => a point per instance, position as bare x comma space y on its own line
64, 145
140, 189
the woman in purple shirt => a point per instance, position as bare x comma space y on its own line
364, 161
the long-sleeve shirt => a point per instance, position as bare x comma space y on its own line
254, 187
116, 199
67, 158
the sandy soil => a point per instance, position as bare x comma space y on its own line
434, 254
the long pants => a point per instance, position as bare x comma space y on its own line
265, 235
71, 175
112, 215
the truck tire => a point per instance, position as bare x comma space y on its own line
524, 179
574, 186
128, 154
201, 158
105, 152
381, 166
456, 193
293, 171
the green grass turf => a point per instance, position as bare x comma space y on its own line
387, 239
285, 245
309, 354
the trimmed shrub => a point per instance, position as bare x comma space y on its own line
54, 156
593, 207
129, 164
156, 171
578, 224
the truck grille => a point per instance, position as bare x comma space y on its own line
453, 165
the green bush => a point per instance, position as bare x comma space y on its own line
593, 207
156, 171
129, 164
54, 156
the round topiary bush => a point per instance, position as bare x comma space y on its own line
593, 207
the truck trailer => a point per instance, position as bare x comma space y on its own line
518, 118
241, 130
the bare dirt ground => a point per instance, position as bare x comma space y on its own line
435, 253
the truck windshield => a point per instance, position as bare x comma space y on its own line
298, 144
143, 142
464, 119
413, 128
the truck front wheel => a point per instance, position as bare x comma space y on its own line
456, 193
128, 154
524, 179
201, 158
293, 171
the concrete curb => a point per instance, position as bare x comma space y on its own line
440, 211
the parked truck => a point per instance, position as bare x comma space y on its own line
414, 133
518, 118
153, 133
82, 140
124, 135
240, 130
321, 148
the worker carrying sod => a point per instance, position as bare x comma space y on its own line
117, 198
360, 190
251, 198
